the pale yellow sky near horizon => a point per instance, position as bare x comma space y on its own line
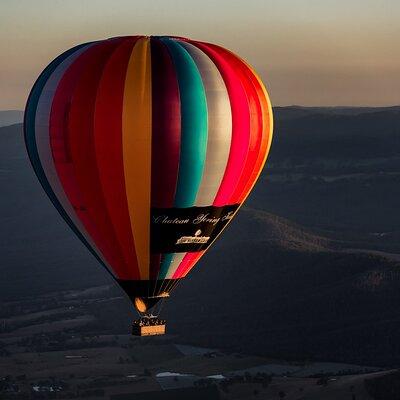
308, 52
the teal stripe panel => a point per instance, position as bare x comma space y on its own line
166, 260
194, 131
194, 124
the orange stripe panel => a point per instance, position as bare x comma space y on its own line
268, 124
136, 144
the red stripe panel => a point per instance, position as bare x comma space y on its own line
244, 74
240, 122
81, 139
187, 264
65, 139
108, 150
166, 134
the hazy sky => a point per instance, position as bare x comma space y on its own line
309, 52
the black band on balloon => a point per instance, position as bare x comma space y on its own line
181, 230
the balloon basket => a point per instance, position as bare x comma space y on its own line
148, 326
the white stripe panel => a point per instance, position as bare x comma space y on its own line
176, 260
219, 126
42, 137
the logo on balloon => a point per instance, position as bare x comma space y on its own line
193, 239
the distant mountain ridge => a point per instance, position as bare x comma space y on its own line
261, 226
10, 117
290, 112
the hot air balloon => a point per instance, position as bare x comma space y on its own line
147, 147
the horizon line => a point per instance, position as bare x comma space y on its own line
275, 106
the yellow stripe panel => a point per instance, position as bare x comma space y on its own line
136, 143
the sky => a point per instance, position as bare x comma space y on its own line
308, 52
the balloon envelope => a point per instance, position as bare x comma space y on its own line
147, 146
